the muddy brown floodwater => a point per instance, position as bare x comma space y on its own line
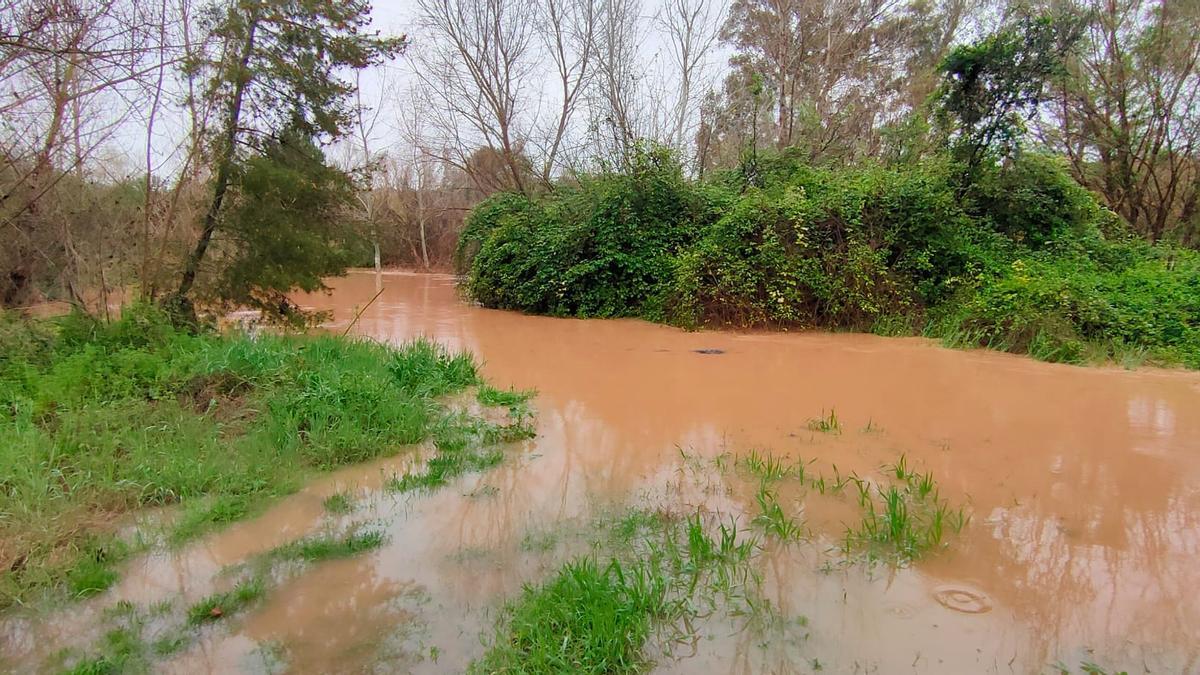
1083, 485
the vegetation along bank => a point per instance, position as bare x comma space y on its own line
1024, 260
101, 419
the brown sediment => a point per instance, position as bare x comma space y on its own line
1083, 484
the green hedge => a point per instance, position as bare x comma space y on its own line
1024, 259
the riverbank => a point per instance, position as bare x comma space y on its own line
1022, 260
103, 421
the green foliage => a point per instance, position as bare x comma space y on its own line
599, 249
1034, 201
285, 229
313, 549
99, 419
338, 503
1023, 260
221, 605
490, 396
587, 619
593, 617
991, 86
1076, 306
826, 424
287, 59
904, 520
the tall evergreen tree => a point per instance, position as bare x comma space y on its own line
274, 66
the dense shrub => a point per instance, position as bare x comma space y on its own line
1023, 259
824, 247
1034, 201
601, 248
1073, 308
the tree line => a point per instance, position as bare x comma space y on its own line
227, 152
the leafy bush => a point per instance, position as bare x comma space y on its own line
601, 248
1034, 201
1074, 308
825, 247
1022, 259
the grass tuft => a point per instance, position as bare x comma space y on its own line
594, 617
772, 518
338, 503
826, 424
501, 398
221, 605
317, 548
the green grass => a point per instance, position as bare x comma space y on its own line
767, 467
313, 549
901, 520
826, 424
128, 644
589, 618
338, 503
490, 396
772, 518
462, 446
221, 605
595, 616
100, 420
905, 520
134, 644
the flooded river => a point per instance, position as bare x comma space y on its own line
1083, 486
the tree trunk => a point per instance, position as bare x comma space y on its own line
224, 174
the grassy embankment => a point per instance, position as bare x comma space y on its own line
1021, 260
100, 420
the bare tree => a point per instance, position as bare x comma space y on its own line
75, 73
568, 28
1128, 116
476, 65
838, 71
619, 114
691, 30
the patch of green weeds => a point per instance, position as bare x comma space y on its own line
338, 503
772, 518
904, 520
325, 547
589, 618
105, 418
94, 570
221, 605
595, 616
826, 424
768, 467
1086, 668
129, 644
901, 520
463, 445
502, 398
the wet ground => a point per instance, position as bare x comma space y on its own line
1083, 485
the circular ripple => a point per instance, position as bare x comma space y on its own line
963, 599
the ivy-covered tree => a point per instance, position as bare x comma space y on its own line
273, 66
991, 87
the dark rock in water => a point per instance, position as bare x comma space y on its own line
709, 351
